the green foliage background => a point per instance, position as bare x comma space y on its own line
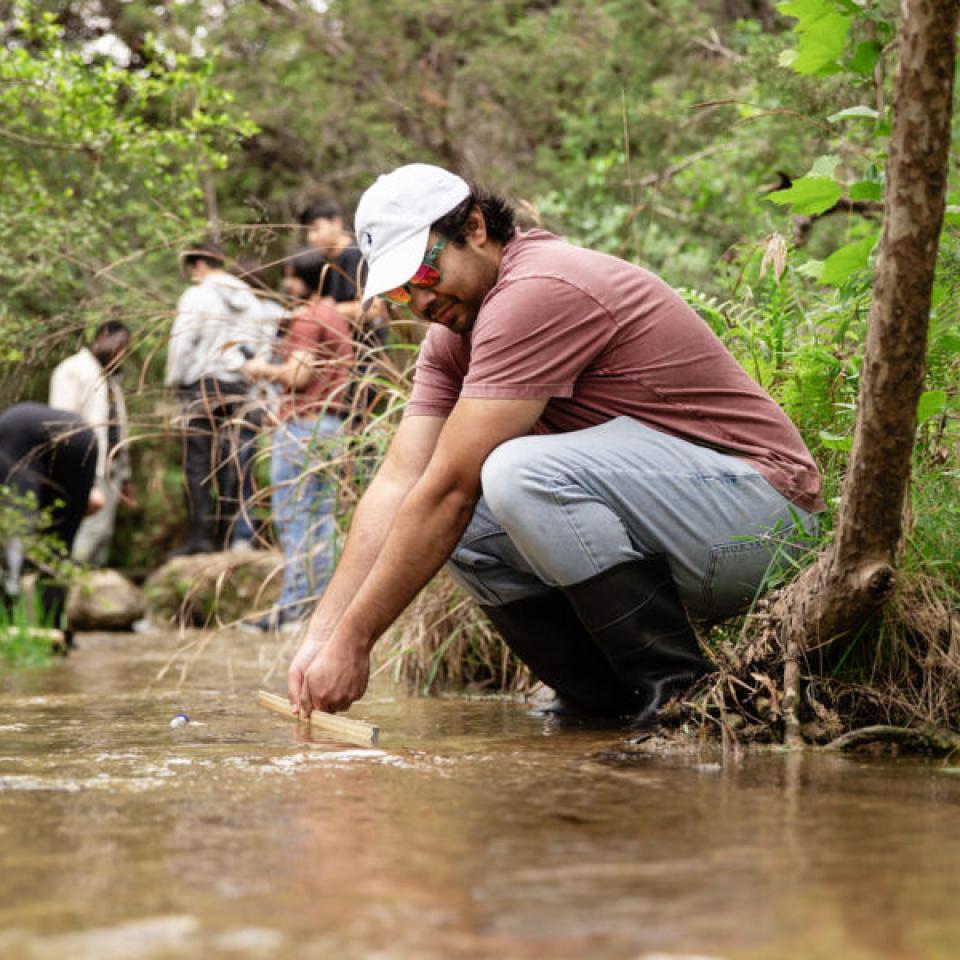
735, 147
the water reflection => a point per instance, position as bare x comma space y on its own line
473, 831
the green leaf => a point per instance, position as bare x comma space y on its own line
847, 261
861, 112
835, 441
932, 404
952, 215
866, 190
809, 195
824, 166
865, 57
812, 268
821, 33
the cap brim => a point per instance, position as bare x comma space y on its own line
396, 266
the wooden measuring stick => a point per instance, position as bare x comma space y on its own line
345, 728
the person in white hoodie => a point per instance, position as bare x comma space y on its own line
217, 327
88, 383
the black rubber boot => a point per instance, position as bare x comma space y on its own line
544, 632
635, 616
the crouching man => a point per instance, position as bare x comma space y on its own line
579, 448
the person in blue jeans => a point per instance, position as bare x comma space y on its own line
302, 499
313, 366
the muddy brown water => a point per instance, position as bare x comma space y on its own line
473, 830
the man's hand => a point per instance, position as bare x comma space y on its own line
95, 502
255, 369
298, 669
336, 678
327, 676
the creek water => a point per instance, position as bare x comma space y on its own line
472, 830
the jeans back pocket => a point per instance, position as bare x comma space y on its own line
738, 571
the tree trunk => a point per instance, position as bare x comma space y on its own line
857, 574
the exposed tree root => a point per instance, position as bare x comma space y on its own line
902, 672
916, 739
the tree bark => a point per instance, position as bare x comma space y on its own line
858, 573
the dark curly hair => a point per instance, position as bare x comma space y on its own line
324, 209
497, 214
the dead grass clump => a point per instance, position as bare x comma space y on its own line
443, 642
902, 669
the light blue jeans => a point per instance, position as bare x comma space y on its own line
302, 498
559, 509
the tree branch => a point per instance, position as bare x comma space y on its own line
46, 144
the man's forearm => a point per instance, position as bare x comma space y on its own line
424, 534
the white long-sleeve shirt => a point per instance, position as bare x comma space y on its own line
79, 385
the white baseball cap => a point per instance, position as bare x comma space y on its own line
394, 217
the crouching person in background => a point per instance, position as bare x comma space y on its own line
50, 457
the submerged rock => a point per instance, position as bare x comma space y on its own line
210, 588
104, 600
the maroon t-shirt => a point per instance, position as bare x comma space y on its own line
602, 338
325, 334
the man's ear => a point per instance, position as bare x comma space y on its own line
476, 228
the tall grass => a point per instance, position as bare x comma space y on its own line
28, 636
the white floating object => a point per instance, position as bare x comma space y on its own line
180, 720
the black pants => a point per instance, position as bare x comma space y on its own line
210, 461
51, 454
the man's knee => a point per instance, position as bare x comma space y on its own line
509, 479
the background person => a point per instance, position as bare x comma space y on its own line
342, 279
313, 367
258, 408
343, 271
217, 318
89, 383
580, 446
50, 455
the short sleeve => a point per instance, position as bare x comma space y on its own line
439, 373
